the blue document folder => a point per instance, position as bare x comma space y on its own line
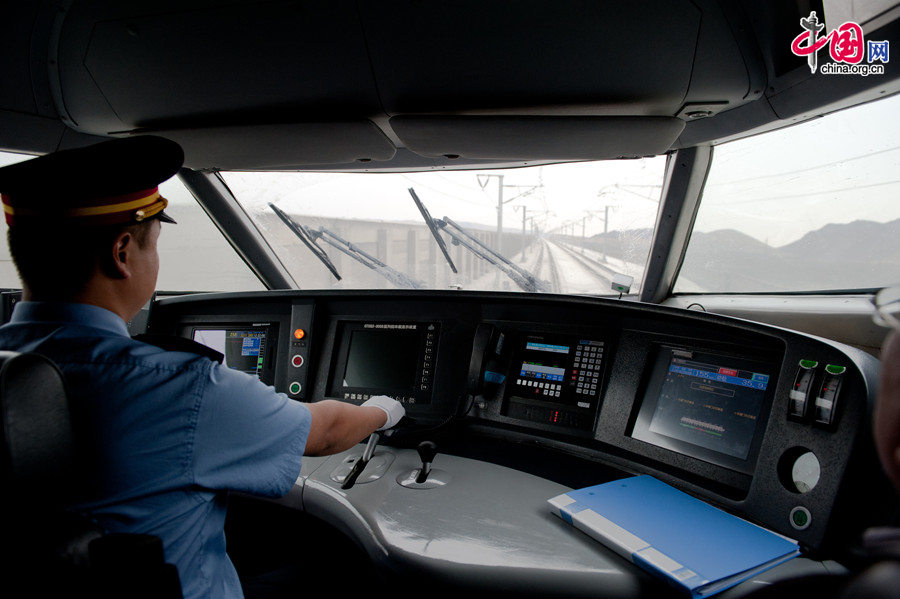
671, 534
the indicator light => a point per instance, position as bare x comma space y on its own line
299, 333
800, 518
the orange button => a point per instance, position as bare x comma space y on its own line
299, 333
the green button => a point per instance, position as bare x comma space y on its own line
800, 518
294, 388
833, 369
808, 363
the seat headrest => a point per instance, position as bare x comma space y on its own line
37, 429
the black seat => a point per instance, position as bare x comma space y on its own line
48, 550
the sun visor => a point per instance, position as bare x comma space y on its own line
537, 137
281, 146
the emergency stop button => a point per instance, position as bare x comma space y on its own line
297, 361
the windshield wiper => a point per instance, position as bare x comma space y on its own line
307, 237
524, 279
394, 276
433, 228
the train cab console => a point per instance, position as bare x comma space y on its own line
528, 396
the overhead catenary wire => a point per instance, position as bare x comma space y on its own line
443, 193
820, 193
807, 169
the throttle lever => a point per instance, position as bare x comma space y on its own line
360, 464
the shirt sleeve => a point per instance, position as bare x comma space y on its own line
247, 437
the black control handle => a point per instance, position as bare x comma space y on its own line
427, 450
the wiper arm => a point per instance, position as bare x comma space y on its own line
308, 239
465, 240
524, 279
433, 228
394, 276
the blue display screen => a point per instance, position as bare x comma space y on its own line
712, 405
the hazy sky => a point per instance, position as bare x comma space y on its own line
836, 169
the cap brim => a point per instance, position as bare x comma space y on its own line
165, 218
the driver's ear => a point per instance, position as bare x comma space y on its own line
118, 264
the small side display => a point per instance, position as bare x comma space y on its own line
706, 406
382, 358
245, 348
557, 380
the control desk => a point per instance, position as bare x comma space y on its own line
766, 423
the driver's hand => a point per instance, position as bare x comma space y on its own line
393, 408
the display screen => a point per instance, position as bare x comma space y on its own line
558, 380
709, 402
711, 405
383, 359
562, 372
244, 349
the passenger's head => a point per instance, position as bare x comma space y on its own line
887, 410
83, 223
887, 406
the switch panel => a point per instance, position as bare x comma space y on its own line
827, 400
802, 389
299, 339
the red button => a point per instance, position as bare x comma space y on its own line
297, 361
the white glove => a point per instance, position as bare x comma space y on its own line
393, 408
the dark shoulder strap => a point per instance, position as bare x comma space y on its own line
173, 343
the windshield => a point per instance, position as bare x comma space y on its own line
812, 207
573, 228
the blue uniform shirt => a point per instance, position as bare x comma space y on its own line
167, 433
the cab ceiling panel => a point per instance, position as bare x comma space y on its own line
201, 71
521, 137
281, 146
126, 66
541, 58
16, 21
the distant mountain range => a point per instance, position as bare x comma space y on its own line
856, 255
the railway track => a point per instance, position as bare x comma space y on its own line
573, 273
553, 273
588, 257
